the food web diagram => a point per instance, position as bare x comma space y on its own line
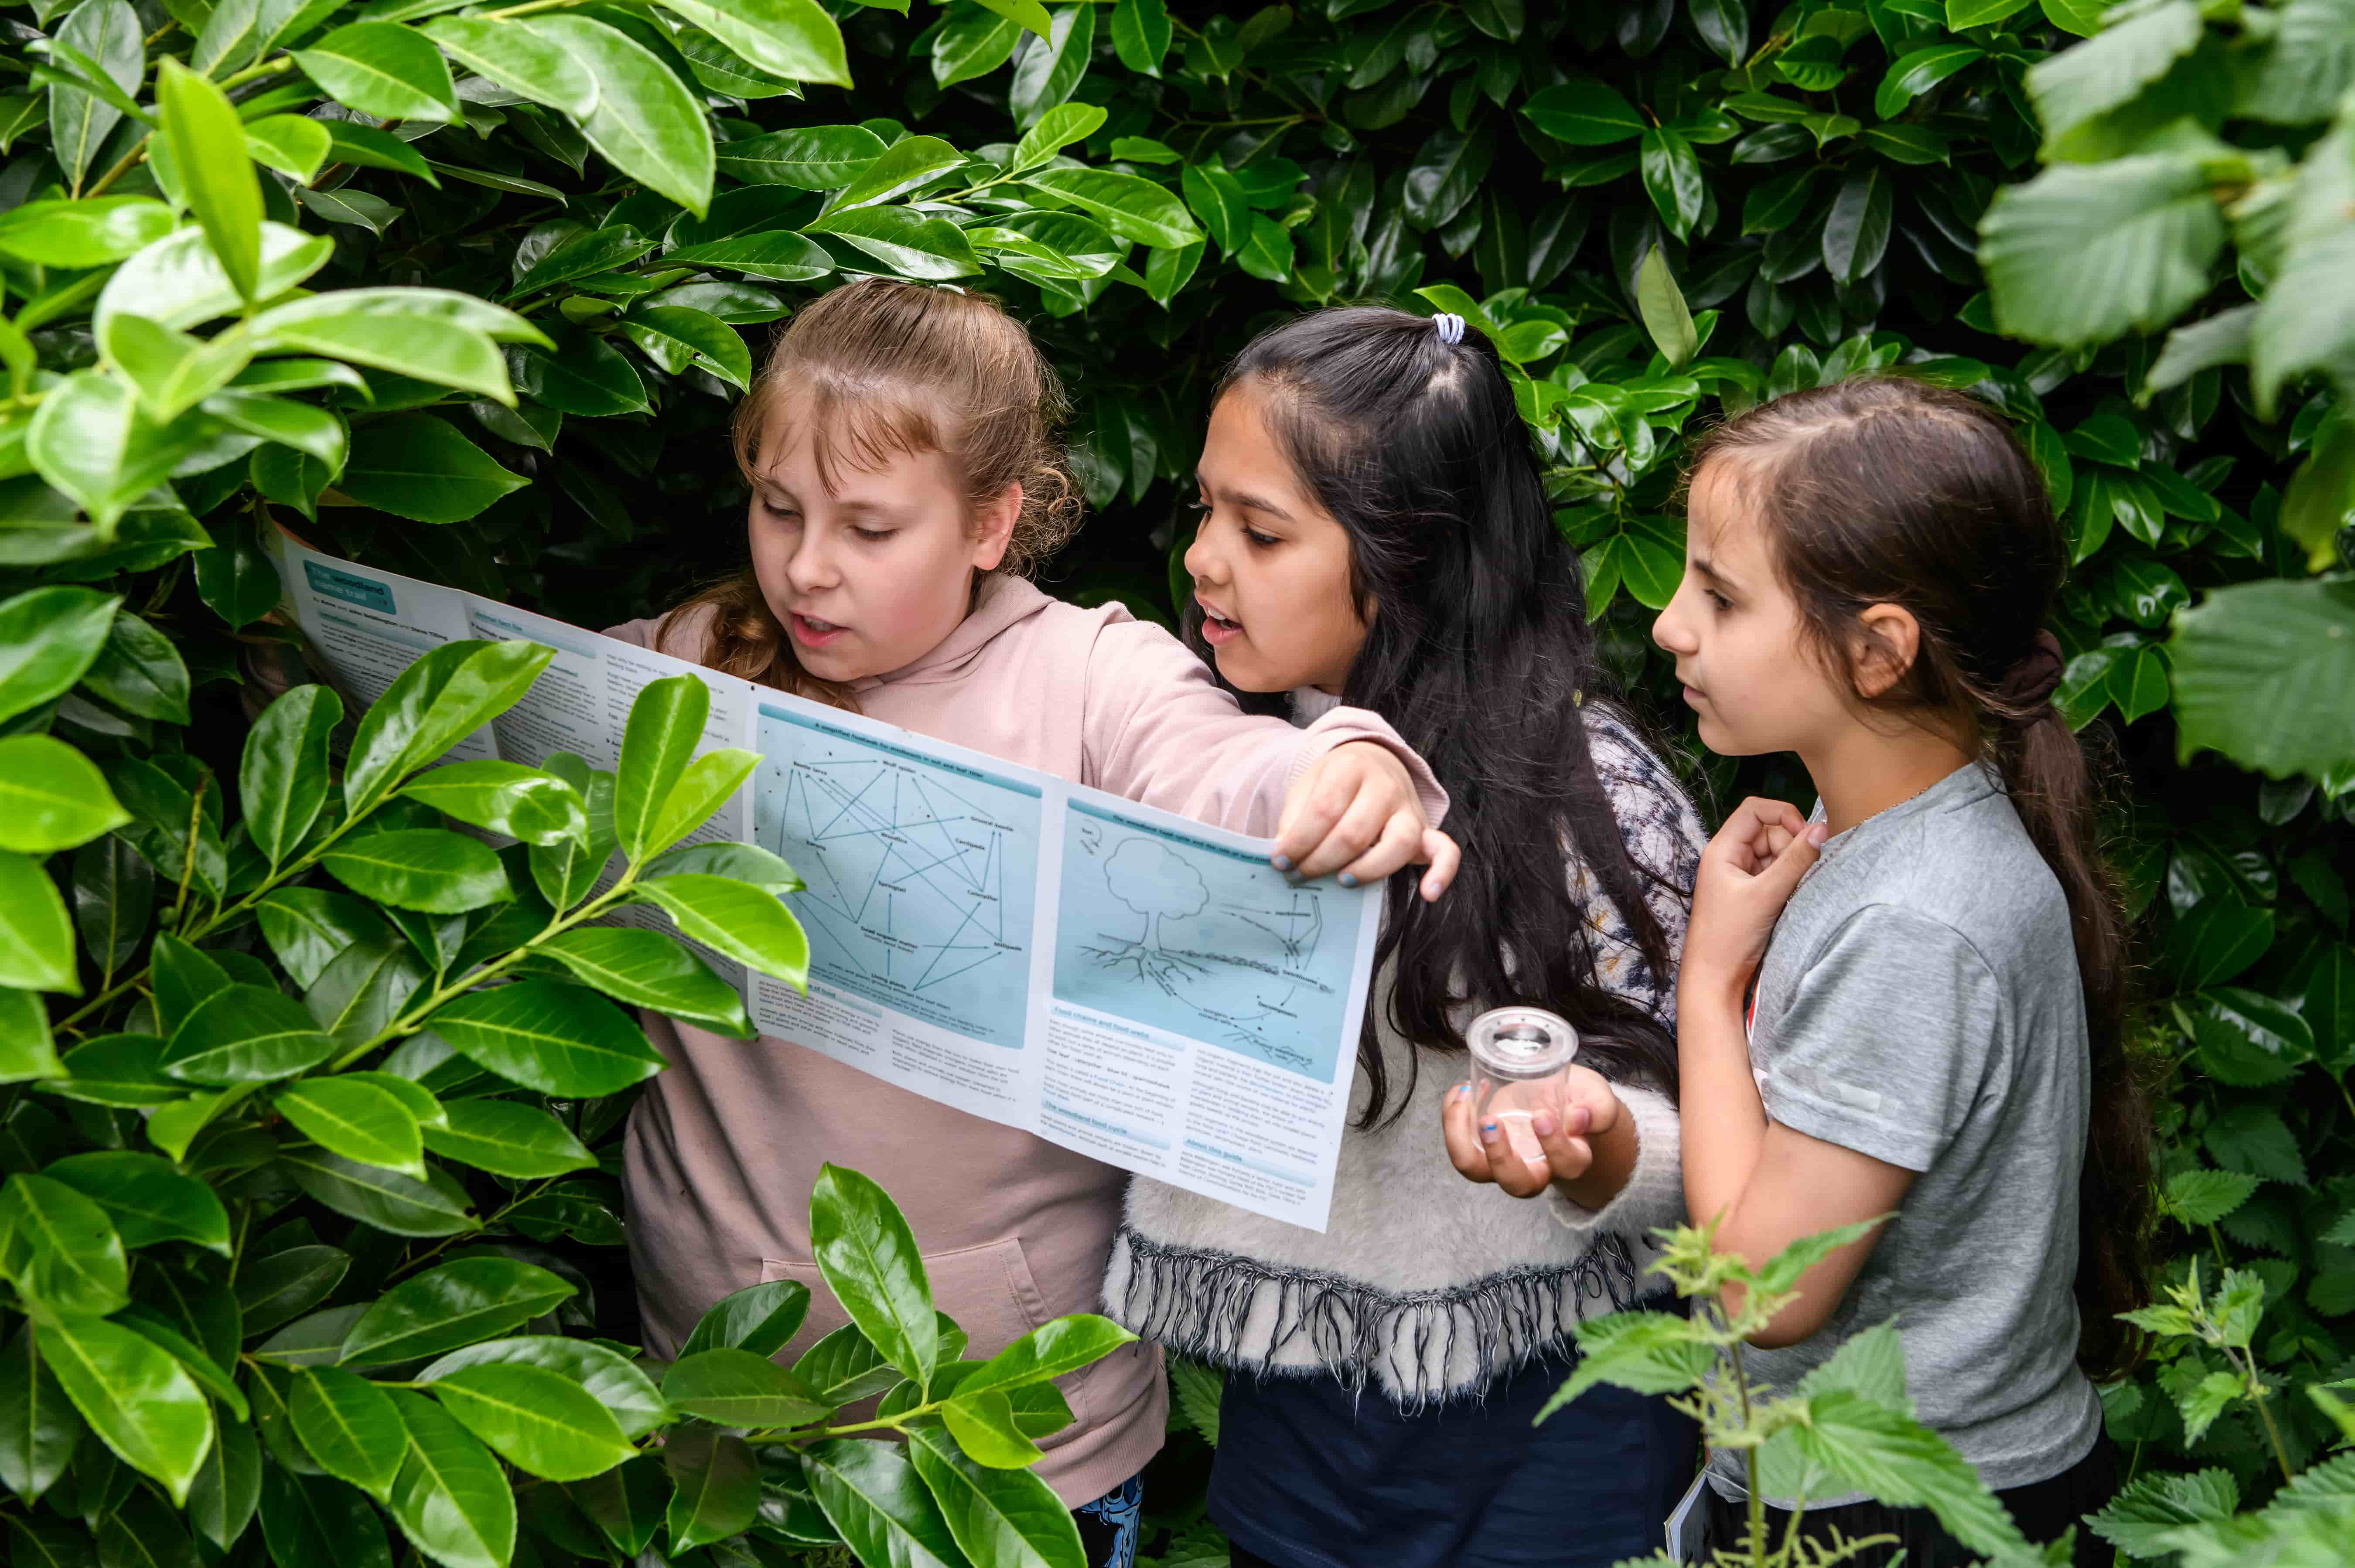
919, 880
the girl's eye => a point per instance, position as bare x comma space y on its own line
1259, 541
1719, 600
1198, 507
874, 535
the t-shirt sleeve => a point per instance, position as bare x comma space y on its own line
1888, 1039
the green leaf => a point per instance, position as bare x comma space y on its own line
909, 242
284, 780
647, 969
207, 142
504, 798
27, 1049
2200, 1198
610, 1379
1916, 73
141, 672
141, 1532
91, 440
1048, 1351
349, 1425
428, 869
1665, 315
1856, 232
60, 1249
1002, 1516
546, 1035
450, 1305
871, 1493
1047, 73
385, 1199
759, 1319
744, 923
393, 72
140, 1401
2216, 940
245, 1034
52, 796
294, 144
2252, 1138
2144, 1513
1132, 207
627, 1502
537, 1419
147, 1199
2259, 667
646, 124
676, 339
1672, 178
1894, 1458
518, 59
280, 1287
1646, 1352
222, 1502
869, 1257
984, 1426
1584, 112
2084, 251
780, 254
358, 1120
37, 951
794, 39
718, 1486
38, 1428
2109, 70
1141, 35
740, 1388
451, 1499
313, 1519
108, 34
1058, 128
807, 157
117, 1070
91, 233
49, 638
507, 1139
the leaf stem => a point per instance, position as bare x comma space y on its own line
256, 72
504, 1211
123, 166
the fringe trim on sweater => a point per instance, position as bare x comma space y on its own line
1421, 1346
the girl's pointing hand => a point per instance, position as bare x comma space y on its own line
1747, 874
1356, 813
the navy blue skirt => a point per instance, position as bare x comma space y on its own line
1310, 1474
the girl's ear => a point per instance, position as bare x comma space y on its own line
1889, 641
994, 528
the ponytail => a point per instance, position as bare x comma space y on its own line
1888, 491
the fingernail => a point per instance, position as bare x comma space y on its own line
1347, 880
1818, 832
1542, 1124
1581, 1118
1462, 1090
1487, 1131
1294, 878
1282, 862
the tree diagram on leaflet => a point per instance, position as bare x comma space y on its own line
917, 876
1199, 941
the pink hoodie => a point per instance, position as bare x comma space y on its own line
724, 1149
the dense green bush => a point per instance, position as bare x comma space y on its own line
1657, 211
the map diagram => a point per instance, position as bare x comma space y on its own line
1203, 941
920, 875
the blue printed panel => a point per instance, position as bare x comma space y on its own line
367, 592
920, 873
1203, 941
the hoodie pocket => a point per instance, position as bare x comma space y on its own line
988, 1289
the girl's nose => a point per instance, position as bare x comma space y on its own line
1670, 632
1200, 557
811, 566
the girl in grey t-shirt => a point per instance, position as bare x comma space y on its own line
1911, 1002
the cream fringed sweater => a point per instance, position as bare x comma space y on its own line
1422, 1284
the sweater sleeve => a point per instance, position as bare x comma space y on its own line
1158, 730
1654, 1193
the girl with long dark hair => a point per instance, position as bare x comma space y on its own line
1911, 1002
1375, 531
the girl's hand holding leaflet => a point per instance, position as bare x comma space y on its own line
1569, 1116
1747, 874
1356, 813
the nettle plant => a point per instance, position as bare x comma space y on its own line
1847, 1427
310, 1108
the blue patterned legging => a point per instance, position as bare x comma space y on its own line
1110, 1525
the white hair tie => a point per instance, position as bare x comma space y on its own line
1451, 328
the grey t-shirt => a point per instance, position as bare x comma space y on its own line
1920, 1003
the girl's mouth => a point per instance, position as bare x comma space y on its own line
812, 633
1217, 630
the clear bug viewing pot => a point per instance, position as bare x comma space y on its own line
1520, 1062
